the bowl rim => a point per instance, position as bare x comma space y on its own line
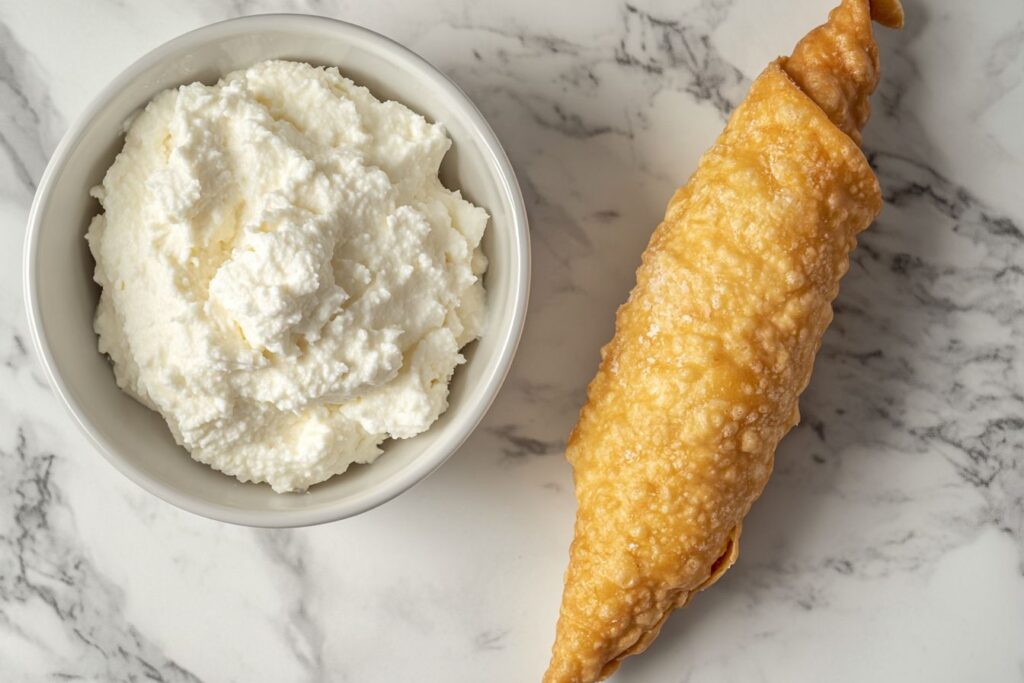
419, 468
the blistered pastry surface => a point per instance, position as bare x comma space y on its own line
702, 377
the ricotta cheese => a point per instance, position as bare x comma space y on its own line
284, 277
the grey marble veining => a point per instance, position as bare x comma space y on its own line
25, 130
889, 544
48, 586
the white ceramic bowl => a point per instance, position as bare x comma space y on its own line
61, 297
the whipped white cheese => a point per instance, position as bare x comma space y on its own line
285, 279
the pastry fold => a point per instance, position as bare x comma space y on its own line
714, 346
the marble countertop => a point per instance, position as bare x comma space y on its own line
889, 545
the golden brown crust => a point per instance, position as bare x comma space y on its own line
702, 377
836, 64
715, 345
888, 13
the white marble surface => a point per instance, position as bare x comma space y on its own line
889, 545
